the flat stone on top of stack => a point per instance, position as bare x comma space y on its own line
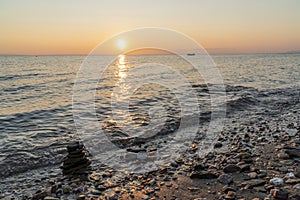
76, 162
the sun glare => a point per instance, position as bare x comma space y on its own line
121, 44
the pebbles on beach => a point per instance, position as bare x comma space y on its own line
257, 160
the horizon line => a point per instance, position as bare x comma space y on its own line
230, 53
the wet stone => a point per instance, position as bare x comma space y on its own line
279, 195
95, 192
245, 167
50, 198
293, 181
74, 146
252, 175
297, 186
225, 179
231, 168
81, 197
199, 167
293, 153
218, 145
277, 181
243, 155
203, 175
136, 150
230, 195
67, 189
253, 183
283, 156
76, 162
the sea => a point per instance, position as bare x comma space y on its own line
37, 113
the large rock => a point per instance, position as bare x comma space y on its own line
231, 168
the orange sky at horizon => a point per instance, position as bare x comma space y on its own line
33, 27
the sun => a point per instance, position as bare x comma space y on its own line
121, 44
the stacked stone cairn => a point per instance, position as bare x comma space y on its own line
76, 162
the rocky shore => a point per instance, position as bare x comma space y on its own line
256, 157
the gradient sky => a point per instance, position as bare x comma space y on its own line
76, 27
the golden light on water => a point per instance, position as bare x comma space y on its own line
122, 67
121, 60
121, 75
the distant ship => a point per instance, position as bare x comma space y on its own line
191, 54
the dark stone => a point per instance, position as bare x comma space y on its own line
293, 153
293, 181
74, 146
225, 179
95, 192
136, 150
76, 152
245, 167
231, 168
101, 188
82, 153
199, 167
243, 155
218, 145
39, 195
226, 189
76, 162
253, 183
203, 175
280, 195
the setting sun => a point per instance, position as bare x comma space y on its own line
121, 44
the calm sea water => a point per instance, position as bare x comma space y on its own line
36, 118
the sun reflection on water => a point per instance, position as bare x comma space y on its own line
122, 69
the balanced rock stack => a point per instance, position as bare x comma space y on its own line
76, 162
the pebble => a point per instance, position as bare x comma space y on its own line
81, 197
279, 195
297, 186
231, 168
252, 175
67, 189
293, 181
203, 175
218, 145
293, 153
243, 155
253, 183
283, 156
230, 195
290, 175
225, 179
277, 181
50, 198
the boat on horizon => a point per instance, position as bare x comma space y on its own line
191, 54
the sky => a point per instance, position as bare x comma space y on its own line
47, 27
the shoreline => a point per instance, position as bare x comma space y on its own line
256, 156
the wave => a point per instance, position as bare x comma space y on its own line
53, 126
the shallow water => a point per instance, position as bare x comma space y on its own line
36, 118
